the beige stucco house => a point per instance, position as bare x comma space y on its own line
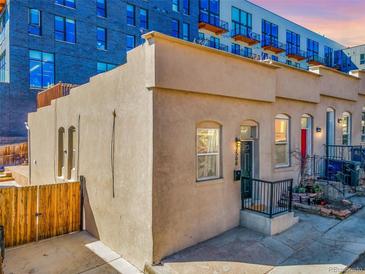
156, 139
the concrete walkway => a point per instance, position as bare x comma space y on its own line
68, 254
315, 245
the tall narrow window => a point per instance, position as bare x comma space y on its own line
208, 151
312, 48
2, 66
175, 28
330, 126
35, 25
71, 159
328, 56
65, 29
282, 142
41, 69
143, 18
66, 3
131, 42
101, 38
175, 5
241, 22
292, 43
61, 154
346, 128
362, 59
270, 34
209, 11
131, 15
186, 7
363, 125
101, 8
186, 31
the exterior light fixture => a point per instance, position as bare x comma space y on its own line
318, 129
339, 120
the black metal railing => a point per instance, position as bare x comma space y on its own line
266, 197
2, 243
295, 51
316, 59
247, 54
212, 19
269, 41
346, 152
245, 31
211, 44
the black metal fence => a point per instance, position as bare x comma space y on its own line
346, 153
266, 197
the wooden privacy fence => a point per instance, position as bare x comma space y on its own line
15, 154
37, 212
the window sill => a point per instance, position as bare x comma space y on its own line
212, 181
102, 17
66, 42
282, 167
102, 49
34, 35
64, 6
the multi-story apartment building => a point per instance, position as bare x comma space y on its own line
47, 41
357, 55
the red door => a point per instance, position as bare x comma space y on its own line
304, 143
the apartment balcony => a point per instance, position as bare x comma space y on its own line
212, 23
245, 35
295, 53
45, 97
315, 60
247, 54
211, 44
2, 5
273, 45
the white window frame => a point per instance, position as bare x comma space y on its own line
287, 143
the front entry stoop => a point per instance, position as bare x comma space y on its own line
268, 226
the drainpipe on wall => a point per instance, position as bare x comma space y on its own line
29, 154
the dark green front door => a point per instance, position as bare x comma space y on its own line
247, 167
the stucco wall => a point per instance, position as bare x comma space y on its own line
123, 222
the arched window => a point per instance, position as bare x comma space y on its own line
282, 140
71, 160
346, 128
208, 150
61, 160
330, 126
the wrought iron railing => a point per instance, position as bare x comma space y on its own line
245, 31
266, 197
346, 153
212, 19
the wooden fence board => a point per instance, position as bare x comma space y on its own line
56, 206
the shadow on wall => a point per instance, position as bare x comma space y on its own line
90, 224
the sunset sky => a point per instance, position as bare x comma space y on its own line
340, 20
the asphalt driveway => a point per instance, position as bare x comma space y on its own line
315, 245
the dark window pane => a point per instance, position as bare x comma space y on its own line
101, 8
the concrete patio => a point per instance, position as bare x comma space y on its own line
68, 254
315, 245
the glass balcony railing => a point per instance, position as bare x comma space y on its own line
217, 25
296, 53
245, 34
315, 60
211, 44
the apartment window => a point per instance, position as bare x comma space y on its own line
282, 143
208, 151
214, 42
274, 58
175, 30
341, 60
2, 66
346, 128
241, 22
175, 5
363, 125
61, 156
236, 48
328, 56
270, 33
209, 10
292, 42
65, 29
330, 126
312, 48
103, 67
101, 8
201, 35
101, 38
362, 59
247, 52
143, 18
41, 69
131, 42
35, 25
186, 7
66, 3
131, 15
186, 31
